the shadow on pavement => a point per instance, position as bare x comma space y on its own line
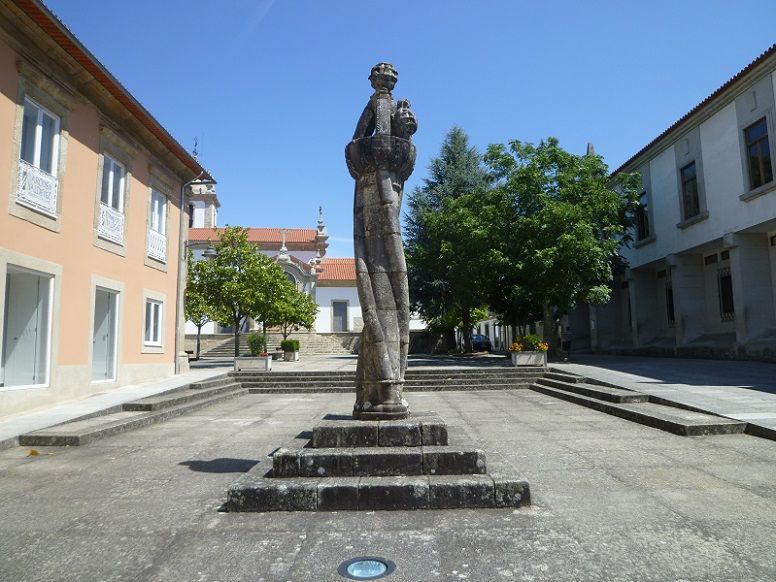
223, 465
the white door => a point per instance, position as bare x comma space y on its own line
104, 338
25, 343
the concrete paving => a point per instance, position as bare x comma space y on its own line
612, 500
740, 390
14, 425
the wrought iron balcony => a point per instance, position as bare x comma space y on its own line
111, 224
157, 246
37, 189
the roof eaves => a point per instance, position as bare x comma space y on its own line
56, 29
708, 100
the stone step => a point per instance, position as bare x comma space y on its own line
313, 389
594, 391
170, 399
259, 491
563, 377
328, 382
409, 375
668, 418
85, 431
220, 380
378, 461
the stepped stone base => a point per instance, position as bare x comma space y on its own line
370, 465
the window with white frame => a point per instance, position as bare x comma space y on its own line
153, 323
38, 158
112, 190
157, 227
158, 218
111, 223
40, 137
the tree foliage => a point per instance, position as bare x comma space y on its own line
443, 230
292, 311
242, 282
196, 306
559, 228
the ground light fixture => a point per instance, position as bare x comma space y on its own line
366, 568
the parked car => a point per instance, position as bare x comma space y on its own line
481, 343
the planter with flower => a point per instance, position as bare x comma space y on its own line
290, 349
529, 350
259, 360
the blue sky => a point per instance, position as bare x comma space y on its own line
273, 89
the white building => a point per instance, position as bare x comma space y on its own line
702, 269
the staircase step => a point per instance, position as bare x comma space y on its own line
258, 490
220, 380
85, 431
312, 388
600, 392
563, 377
668, 418
170, 399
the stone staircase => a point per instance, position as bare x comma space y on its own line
635, 406
136, 414
416, 380
347, 464
310, 344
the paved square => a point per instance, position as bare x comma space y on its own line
612, 500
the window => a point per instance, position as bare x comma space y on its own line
112, 190
37, 184
26, 328
642, 217
758, 154
191, 216
40, 137
690, 200
157, 227
158, 218
725, 290
153, 323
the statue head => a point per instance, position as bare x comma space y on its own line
383, 77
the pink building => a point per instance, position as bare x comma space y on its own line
90, 232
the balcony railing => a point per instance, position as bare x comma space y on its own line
157, 246
37, 189
111, 224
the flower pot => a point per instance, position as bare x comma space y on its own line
529, 359
277, 354
291, 356
253, 364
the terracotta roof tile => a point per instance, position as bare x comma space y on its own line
338, 270
260, 235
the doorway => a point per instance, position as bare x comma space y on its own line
104, 337
27, 329
340, 315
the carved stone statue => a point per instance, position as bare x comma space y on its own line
380, 158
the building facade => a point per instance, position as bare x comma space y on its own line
702, 267
90, 223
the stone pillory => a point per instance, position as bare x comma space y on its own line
380, 158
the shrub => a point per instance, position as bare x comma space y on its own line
529, 343
290, 345
257, 344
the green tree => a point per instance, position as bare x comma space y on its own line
196, 306
292, 311
442, 234
561, 224
242, 282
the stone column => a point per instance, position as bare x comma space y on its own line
689, 295
752, 292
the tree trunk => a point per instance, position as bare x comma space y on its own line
466, 316
449, 339
549, 327
236, 337
199, 333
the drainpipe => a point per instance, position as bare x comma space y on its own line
179, 325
